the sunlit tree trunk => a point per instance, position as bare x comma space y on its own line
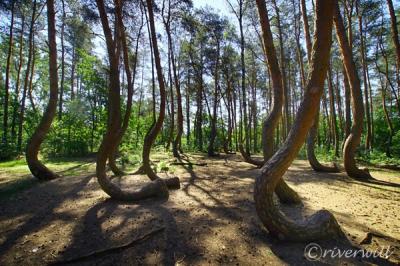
322, 224
38, 169
354, 139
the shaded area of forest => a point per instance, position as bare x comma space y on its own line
210, 220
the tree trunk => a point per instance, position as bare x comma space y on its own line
60, 102
286, 194
311, 138
7, 83
155, 130
130, 83
177, 141
155, 188
213, 133
395, 33
354, 139
26, 79
38, 169
364, 67
17, 84
322, 224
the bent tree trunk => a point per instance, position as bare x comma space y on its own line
108, 144
354, 138
38, 169
283, 191
130, 81
156, 128
312, 158
322, 224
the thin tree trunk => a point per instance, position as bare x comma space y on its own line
7, 82
354, 139
17, 84
38, 169
60, 102
366, 92
26, 80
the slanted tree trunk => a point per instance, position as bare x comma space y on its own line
322, 224
354, 139
38, 169
7, 82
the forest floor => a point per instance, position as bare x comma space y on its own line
210, 220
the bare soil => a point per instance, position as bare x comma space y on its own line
210, 220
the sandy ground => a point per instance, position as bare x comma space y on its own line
210, 220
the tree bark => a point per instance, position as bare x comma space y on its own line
7, 82
17, 84
395, 33
354, 139
108, 144
38, 169
322, 224
26, 78
368, 138
60, 102
155, 130
130, 75
271, 122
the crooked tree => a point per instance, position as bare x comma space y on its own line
322, 224
38, 169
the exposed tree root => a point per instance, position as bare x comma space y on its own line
108, 251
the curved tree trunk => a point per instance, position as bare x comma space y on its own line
312, 158
155, 188
155, 130
322, 224
38, 169
284, 192
354, 138
130, 76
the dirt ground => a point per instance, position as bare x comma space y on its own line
210, 220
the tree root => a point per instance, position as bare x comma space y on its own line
111, 250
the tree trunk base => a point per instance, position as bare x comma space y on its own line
155, 189
41, 172
286, 194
